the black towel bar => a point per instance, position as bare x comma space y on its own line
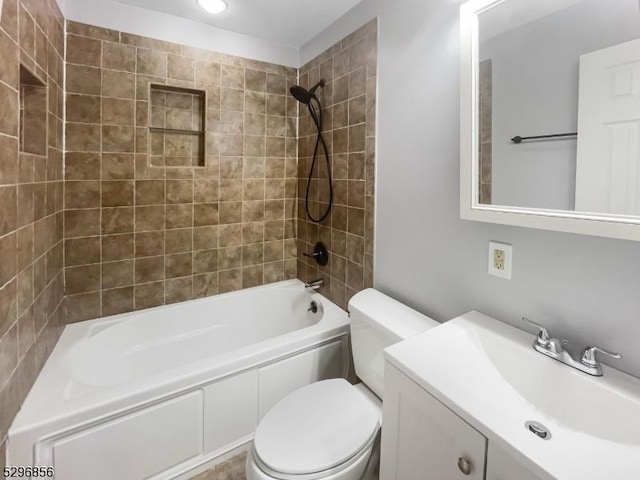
541, 137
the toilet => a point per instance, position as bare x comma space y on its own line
328, 430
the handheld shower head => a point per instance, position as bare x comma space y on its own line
305, 96
301, 94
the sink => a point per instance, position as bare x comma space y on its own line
606, 408
488, 373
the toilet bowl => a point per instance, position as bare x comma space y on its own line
325, 430
329, 429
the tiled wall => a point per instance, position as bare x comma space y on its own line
137, 235
486, 131
31, 281
349, 98
140, 233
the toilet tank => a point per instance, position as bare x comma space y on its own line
377, 322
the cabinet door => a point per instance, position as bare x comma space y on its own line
502, 466
424, 440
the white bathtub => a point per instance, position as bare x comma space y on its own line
164, 393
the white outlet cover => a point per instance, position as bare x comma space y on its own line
508, 260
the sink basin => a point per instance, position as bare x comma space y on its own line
606, 408
488, 373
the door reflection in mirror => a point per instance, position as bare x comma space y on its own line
554, 67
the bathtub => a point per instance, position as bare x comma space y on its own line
168, 392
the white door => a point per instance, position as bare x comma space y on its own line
608, 174
424, 440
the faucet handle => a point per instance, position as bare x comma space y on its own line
589, 356
544, 336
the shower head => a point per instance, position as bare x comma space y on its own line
303, 95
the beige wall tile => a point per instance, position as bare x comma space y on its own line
149, 269
82, 279
255, 80
118, 57
81, 223
117, 274
9, 52
118, 111
82, 166
85, 194
181, 68
232, 77
116, 301
10, 105
149, 192
92, 31
118, 139
207, 73
83, 137
117, 220
151, 62
117, 247
150, 218
84, 80
178, 290
8, 209
149, 295
84, 51
118, 84
83, 109
117, 193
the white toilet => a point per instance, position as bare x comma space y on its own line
327, 430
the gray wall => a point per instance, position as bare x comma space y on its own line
586, 289
535, 92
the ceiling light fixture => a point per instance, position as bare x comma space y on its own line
213, 6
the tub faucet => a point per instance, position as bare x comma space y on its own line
314, 285
554, 348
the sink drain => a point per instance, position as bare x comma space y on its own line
538, 429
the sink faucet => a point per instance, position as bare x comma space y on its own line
554, 348
314, 285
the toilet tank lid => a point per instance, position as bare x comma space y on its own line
394, 316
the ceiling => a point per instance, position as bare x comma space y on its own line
289, 22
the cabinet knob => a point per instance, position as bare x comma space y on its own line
465, 466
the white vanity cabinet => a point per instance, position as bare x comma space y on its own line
424, 440
502, 466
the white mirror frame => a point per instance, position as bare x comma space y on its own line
611, 226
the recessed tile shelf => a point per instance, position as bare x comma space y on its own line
177, 128
33, 113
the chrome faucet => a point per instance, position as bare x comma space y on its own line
314, 285
554, 348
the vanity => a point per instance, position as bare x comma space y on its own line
471, 399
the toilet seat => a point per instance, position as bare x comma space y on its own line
344, 471
316, 430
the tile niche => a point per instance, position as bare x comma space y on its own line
178, 126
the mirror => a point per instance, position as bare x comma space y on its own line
551, 114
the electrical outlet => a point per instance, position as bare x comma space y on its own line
500, 260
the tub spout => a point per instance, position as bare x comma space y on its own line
315, 285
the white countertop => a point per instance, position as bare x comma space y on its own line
455, 363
